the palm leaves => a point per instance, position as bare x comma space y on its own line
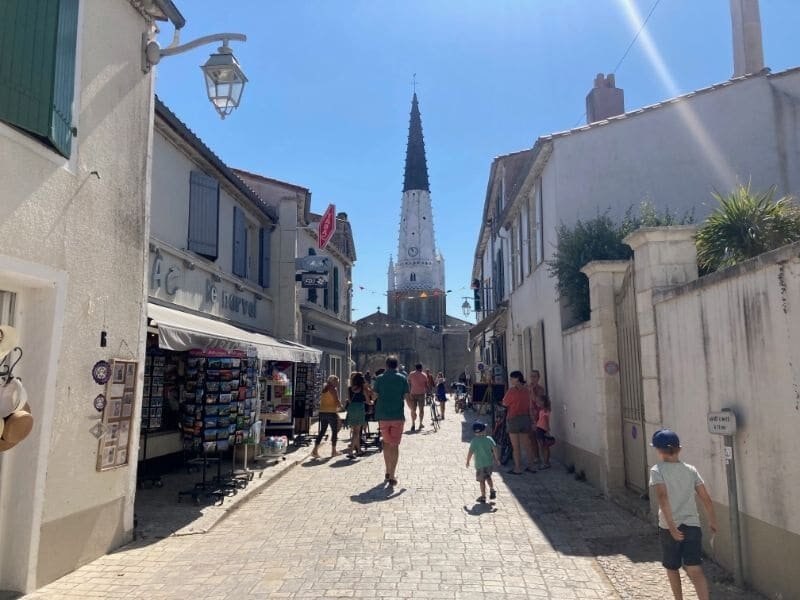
744, 225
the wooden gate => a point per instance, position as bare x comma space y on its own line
632, 397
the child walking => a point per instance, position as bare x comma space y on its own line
484, 449
543, 429
675, 484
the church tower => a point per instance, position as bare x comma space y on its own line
416, 290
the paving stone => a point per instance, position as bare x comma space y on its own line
332, 529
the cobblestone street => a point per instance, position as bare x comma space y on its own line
330, 528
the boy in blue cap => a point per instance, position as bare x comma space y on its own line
676, 484
484, 449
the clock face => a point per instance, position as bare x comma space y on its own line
413, 251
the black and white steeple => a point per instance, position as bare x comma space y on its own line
416, 279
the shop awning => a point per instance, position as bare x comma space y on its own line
181, 331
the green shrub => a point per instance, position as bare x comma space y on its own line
599, 238
744, 225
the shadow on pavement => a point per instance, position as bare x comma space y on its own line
479, 509
378, 493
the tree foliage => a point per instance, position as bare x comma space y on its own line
746, 224
599, 238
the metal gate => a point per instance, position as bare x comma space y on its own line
630, 372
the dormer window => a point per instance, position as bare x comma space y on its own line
413, 277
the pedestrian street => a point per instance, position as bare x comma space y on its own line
332, 529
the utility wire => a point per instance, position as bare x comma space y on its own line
627, 51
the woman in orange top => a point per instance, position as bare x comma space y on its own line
329, 406
518, 420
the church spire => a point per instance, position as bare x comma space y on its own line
416, 176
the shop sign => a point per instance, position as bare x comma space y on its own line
312, 264
722, 423
230, 302
170, 280
314, 281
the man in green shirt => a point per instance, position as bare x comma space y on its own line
392, 389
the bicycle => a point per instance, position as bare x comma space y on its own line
430, 401
501, 437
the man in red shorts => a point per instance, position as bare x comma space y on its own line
392, 389
418, 382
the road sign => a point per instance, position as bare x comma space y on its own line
722, 423
313, 280
326, 227
312, 264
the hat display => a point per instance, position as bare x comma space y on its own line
8, 340
12, 396
665, 439
16, 427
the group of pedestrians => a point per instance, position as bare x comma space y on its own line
528, 422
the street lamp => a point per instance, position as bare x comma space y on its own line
224, 77
466, 308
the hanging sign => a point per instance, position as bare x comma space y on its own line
312, 264
326, 227
314, 281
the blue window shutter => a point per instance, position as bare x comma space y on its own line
37, 67
264, 243
203, 215
336, 289
326, 294
239, 243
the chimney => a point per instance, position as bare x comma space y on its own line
605, 100
748, 53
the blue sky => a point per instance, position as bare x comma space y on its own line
329, 95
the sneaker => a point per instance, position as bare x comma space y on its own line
413, 429
481, 499
545, 466
392, 482
492, 494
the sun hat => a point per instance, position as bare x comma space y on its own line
8, 340
12, 396
665, 439
478, 426
17, 427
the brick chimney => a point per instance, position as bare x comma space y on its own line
605, 100
748, 52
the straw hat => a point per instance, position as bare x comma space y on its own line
17, 427
8, 340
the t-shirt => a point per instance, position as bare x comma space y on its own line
328, 403
419, 382
681, 480
518, 402
391, 388
543, 420
482, 447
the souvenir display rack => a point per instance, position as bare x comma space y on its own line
305, 391
152, 399
216, 413
275, 397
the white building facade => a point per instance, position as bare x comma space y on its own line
74, 148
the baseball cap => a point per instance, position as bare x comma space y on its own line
665, 438
478, 426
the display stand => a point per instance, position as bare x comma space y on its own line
305, 392
152, 399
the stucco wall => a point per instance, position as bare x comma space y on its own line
732, 342
90, 229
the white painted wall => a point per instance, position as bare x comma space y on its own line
75, 244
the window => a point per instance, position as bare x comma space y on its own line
37, 71
265, 254
413, 277
312, 292
515, 251
378, 345
336, 289
203, 215
239, 242
525, 240
539, 227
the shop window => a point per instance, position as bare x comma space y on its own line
239, 242
37, 71
203, 215
265, 254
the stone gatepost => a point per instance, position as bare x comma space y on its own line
605, 281
663, 257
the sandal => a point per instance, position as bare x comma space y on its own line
392, 482
513, 472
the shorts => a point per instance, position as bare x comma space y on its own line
688, 552
519, 424
392, 432
417, 400
483, 474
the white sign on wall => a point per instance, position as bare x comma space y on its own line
722, 423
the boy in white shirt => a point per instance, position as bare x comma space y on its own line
676, 484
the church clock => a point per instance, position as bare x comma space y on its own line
413, 251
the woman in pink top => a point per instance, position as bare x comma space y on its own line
542, 429
518, 420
